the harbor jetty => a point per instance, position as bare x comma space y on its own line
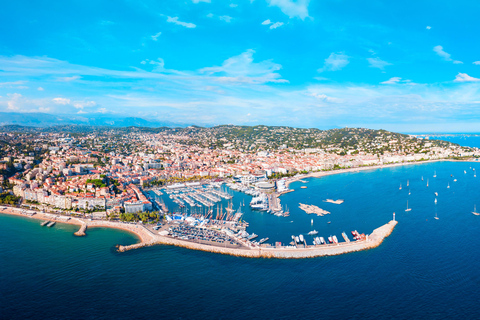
148, 238
371, 241
81, 231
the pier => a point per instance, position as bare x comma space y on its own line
248, 250
373, 240
81, 231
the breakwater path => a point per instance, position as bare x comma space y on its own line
373, 240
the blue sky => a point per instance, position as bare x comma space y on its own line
403, 66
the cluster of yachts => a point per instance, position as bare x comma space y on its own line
300, 239
243, 188
197, 197
260, 203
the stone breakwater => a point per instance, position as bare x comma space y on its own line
373, 240
148, 238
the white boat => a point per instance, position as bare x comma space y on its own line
408, 183
435, 200
422, 178
436, 194
427, 182
465, 171
313, 232
312, 222
448, 185
408, 209
436, 215
301, 238
454, 180
322, 240
409, 192
475, 210
435, 174
335, 240
400, 187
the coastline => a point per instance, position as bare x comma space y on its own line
147, 238
319, 174
139, 233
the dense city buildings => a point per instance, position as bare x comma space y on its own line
104, 171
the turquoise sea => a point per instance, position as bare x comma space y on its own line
427, 268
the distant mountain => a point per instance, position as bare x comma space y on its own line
47, 120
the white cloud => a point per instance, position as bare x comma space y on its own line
476, 63
68, 79
428, 27
62, 101
276, 25
322, 96
463, 77
441, 53
12, 104
180, 23
445, 55
378, 63
397, 80
40, 89
392, 80
83, 104
198, 1
225, 18
159, 64
242, 69
155, 36
266, 22
292, 8
335, 62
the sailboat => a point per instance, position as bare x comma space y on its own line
435, 200
422, 178
400, 187
435, 174
409, 192
427, 182
407, 183
312, 222
436, 218
408, 209
448, 185
475, 210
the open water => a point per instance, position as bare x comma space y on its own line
426, 268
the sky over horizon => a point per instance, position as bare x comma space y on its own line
411, 66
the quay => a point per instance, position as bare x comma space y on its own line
245, 249
371, 241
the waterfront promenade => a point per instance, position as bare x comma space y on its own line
148, 238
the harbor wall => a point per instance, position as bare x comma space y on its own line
374, 240
148, 238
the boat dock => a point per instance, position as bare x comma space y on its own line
44, 223
81, 231
51, 224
